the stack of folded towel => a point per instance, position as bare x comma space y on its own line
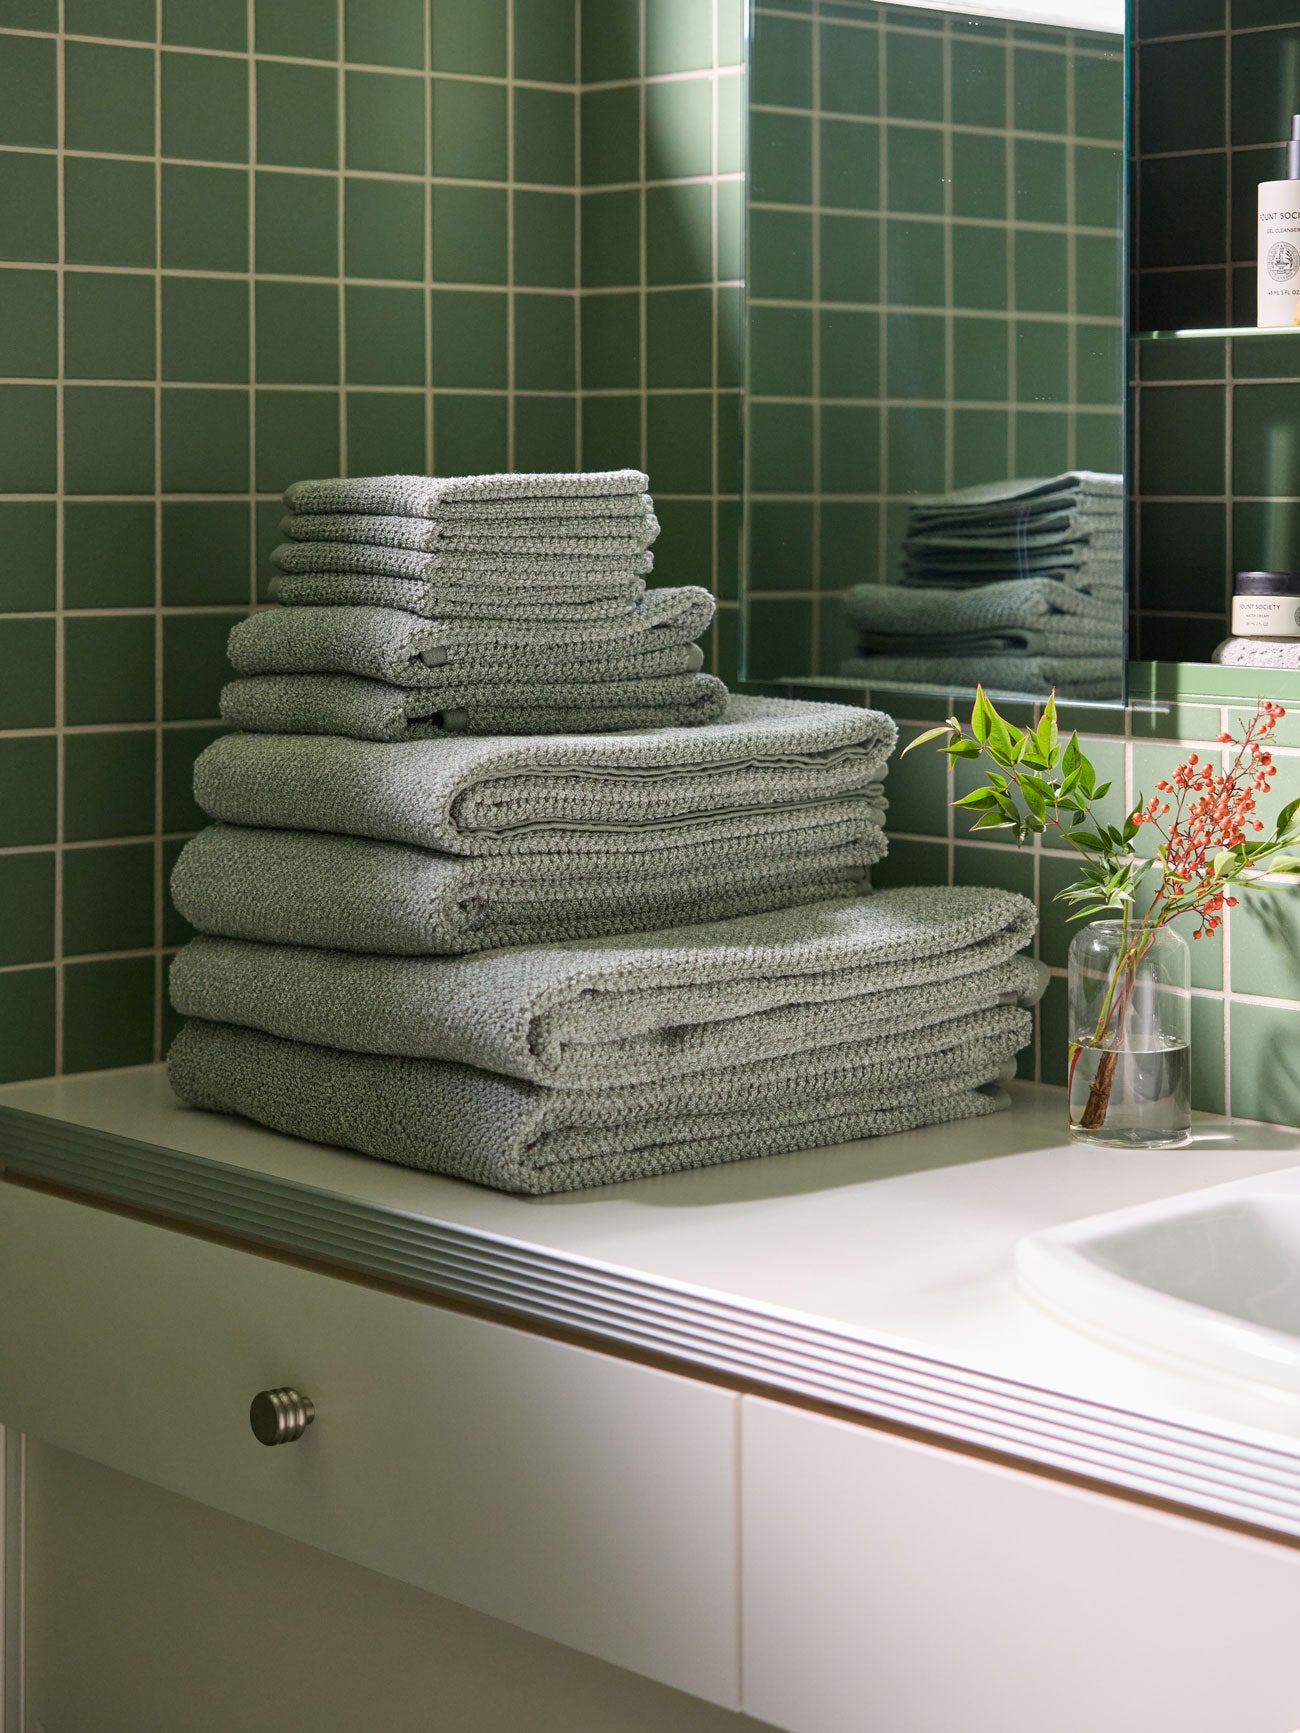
498, 604
1018, 585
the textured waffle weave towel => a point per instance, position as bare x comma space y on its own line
348, 893
641, 1006
545, 538
431, 496
734, 779
518, 1136
1030, 615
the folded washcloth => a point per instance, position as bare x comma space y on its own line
1103, 579
582, 794
890, 614
516, 1136
579, 539
429, 496
645, 1006
349, 893
1026, 496
1258, 653
1093, 678
399, 647
458, 704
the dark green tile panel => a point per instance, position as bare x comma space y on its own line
108, 1013
297, 224
204, 218
27, 896
205, 549
108, 668
28, 539
205, 107
108, 98
108, 212
28, 92
108, 554
108, 787
108, 325
28, 206
469, 131
27, 999
108, 899
194, 664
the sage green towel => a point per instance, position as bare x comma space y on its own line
517, 1136
546, 538
642, 1006
433, 496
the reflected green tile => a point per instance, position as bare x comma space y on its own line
108, 899
385, 335
297, 115
204, 441
781, 61
108, 1014
29, 342
469, 131
850, 532
1040, 183
779, 452
28, 206
914, 263
205, 107
981, 446
108, 325
470, 39
297, 435
679, 342
384, 32
544, 141
1098, 277
108, 98
915, 359
678, 129
297, 334
469, 234
850, 68
979, 175
1098, 95
911, 863
205, 329
205, 552
1265, 1064
849, 165
678, 36
850, 449
611, 432
545, 343
27, 885
779, 645
679, 443
108, 212
27, 1007
850, 258
913, 75
979, 268
1046, 435
28, 536
108, 554
204, 219
469, 338
1042, 360
108, 787
305, 29
28, 97
780, 253
780, 158
26, 673
385, 122
1181, 440
1041, 272
297, 220
980, 80
469, 434
194, 664
980, 350
386, 433
1098, 186
221, 24
781, 351
1099, 441
383, 228
914, 441
781, 540
108, 433
108, 669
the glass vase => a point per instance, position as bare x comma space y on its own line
1130, 1035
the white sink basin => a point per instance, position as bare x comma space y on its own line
1210, 1279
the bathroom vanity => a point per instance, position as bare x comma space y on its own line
782, 1443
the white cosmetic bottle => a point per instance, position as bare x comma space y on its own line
1278, 270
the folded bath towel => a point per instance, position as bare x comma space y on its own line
516, 1136
1091, 678
1033, 613
644, 1006
737, 777
396, 646
430, 496
554, 539
352, 894
450, 704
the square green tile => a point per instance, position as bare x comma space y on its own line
180, 747
108, 325
108, 98
981, 446
546, 433
850, 165
1265, 1076
1040, 182
205, 107
1265, 538
29, 324
304, 29
850, 258
850, 449
298, 222
1266, 946
1184, 561
1039, 76
1261, 355
204, 219
730, 335
469, 130
1098, 277
469, 234
1177, 17
781, 535
384, 32
849, 533
297, 435
911, 863
850, 68
471, 39
28, 536
779, 448
678, 36
469, 339
28, 93
1045, 433
26, 673
27, 892
611, 239
545, 343
194, 664
1042, 349
611, 341
679, 338
135, 19
220, 24
205, 552
779, 640
384, 335
1099, 364
175, 929
1098, 186
914, 355
611, 432
850, 347
297, 114
1181, 90
297, 334
780, 253
108, 212
980, 81
610, 46
1264, 428
780, 158
108, 1014
546, 48
1168, 188
28, 206
470, 434
268, 514
108, 667
108, 899
1099, 441
918, 179
383, 229
386, 433
1181, 439
611, 135
914, 441
1208, 1049
108, 785
979, 175
914, 271
205, 330
980, 354
1261, 89
30, 15
679, 234
780, 351
544, 144
1006, 869
679, 436
731, 124
545, 239
385, 122
108, 554
29, 777
913, 76
781, 61
1041, 280
27, 1005
918, 790
108, 439
204, 440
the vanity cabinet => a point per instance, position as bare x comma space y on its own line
891, 1586
567, 1492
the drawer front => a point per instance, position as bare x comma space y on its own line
892, 1586
572, 1494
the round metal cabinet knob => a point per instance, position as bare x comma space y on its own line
280, 1416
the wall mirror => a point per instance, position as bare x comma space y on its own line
934, 439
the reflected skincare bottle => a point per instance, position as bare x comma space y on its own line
1278, 270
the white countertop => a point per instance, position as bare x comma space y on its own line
877, 1275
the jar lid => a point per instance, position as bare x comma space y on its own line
1267, 584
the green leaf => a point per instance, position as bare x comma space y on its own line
981, 717
1286, 817
1098, 793
979, 798
990, 821
1072, 758
921, 739
1036, 803
1046, 737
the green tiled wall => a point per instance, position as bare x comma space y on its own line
1216, 418
934, 284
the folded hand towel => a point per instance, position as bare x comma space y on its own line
426, 495
1076, 487
1092, 678
580, 539
498, 1131
349, 893
396, 646
740, 776
447, 704
519, 514
642, 1006
885, 611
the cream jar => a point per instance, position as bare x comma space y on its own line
1266, 605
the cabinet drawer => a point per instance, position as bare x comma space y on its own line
582, 1497
892, 1586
